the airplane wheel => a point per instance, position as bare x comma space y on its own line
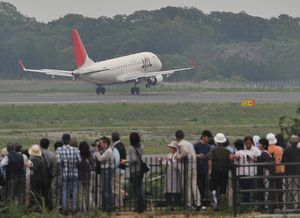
102, 90
98, 90
137, 90
132, 90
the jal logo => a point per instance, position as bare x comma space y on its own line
146, 63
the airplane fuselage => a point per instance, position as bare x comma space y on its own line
116, 70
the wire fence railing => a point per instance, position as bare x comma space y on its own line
170, 185
167, 186
266, 190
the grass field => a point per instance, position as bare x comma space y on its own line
155, 122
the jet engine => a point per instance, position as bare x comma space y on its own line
152, 81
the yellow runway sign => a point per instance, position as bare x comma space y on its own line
248, 103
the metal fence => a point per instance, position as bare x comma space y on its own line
267, 191
168, 186
263, 84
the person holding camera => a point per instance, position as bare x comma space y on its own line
106, 157
246, 155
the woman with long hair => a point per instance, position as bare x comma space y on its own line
84, 176
135, 155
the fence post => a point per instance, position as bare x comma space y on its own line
234, 189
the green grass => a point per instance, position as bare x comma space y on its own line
155, 122
12, 210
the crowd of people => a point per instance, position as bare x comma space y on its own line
274, 163
258, 163
72, 174
59, 178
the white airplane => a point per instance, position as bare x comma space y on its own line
144, 66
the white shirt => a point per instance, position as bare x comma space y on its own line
256, 151
243, 160
106, 158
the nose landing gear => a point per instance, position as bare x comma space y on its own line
100, 89
135, 90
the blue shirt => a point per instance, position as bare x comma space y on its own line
202, 163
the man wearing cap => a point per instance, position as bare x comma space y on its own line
68, 158
292, 155
277, 152
202, 148
218, 166
187, 156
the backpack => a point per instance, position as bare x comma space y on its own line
84, 168
49, 168
98, 166
272, 168
15, 166
39, 169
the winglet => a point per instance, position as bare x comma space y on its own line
21, 65
81, 55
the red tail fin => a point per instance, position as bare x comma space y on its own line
80, 52
21, 65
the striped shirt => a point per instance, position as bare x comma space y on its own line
69, 158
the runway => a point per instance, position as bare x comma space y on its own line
150, 98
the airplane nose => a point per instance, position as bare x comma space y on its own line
159, 64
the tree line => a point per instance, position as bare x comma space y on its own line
224, 45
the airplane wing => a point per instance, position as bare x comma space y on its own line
152, 74
51, 72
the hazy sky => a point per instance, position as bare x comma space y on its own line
47, 10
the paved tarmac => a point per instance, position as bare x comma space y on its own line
148, 98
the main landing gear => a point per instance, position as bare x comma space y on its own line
135, 90
100, 89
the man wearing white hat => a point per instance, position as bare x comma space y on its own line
218, 166
256, 139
